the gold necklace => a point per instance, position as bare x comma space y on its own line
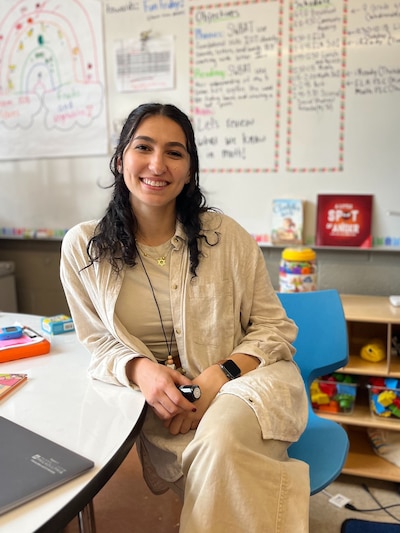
161, 256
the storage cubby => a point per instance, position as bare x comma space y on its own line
368, 317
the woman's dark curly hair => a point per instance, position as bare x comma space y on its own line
114, 237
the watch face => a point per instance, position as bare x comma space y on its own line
232, 368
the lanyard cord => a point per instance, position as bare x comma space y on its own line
169, 346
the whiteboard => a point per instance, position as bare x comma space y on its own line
287, 98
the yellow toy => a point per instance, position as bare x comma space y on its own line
374, 351
386, 397
317, 396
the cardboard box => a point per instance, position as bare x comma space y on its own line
57, 324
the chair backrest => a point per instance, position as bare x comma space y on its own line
322, 343
322, 347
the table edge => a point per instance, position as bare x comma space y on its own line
60, 520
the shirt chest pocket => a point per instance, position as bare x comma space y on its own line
211, 314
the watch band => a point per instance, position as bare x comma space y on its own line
230, 369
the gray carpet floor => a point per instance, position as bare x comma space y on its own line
326, 518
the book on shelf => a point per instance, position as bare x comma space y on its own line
344, 220
9, 382
287, 221
30, 344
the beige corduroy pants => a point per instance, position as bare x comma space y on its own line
236, 482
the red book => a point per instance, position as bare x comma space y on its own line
344, 220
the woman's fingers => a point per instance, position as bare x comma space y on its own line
180, 424
170, 402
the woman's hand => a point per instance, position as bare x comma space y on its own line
158, 384
209, 381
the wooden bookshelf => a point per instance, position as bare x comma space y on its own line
368, 317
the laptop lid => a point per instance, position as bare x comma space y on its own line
31, 465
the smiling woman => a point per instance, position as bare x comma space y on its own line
156, 167
174, 298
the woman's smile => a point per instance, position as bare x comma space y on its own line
154, 183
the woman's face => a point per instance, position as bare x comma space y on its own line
156, 163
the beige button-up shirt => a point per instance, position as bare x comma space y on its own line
229, 307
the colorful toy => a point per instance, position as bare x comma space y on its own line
384, 397
335, 393
374, 351
298, 270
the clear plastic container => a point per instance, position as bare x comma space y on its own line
384, 402
333, 396
298, 270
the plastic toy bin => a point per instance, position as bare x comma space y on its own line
384, 401
330, 396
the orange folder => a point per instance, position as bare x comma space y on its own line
30, 344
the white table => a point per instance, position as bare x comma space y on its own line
59, 401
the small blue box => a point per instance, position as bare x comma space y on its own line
57, 324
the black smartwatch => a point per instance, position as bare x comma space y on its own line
230, 369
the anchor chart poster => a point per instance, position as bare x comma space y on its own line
52, 82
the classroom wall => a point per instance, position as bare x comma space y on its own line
288, 99
39, 290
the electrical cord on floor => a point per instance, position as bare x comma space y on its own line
341, 501
380, 508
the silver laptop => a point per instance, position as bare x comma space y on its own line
31, 465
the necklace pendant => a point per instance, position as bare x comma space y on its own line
161, 261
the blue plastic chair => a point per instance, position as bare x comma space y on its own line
322, 348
